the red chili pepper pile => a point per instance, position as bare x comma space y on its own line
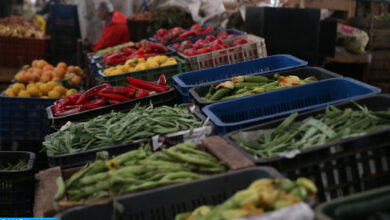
214, 43
165, 36
143, 49
104, 94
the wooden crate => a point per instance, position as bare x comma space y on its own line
380, 39
364, 8
379, 70
44, 205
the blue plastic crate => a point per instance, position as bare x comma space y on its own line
24, 118
241, 113
185, 81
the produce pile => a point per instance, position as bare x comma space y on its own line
137, 64
19, 27
333, 125
241, 86
142, 49
20, 165
144, 16
116, 48
42, 71
102, 95
207, 44
262, 196
50, 89
165, 36
120, 128
138, 170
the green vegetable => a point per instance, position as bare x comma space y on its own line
112, 49
61, 189
245, 84
219, 94
20, 165
119, 128
210, 92
257, 79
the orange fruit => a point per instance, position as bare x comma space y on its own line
62, 64
32, 69
41, 64
10, 92
70, 92
24, 94
34, 63
24, 77
59, 72
44, 78
49, 74
78, 71
56, 79
48, 67
60, 89
54, 94
75, 81
44, 88
71, 69
33, 91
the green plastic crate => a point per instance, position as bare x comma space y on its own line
150, 75
326, 211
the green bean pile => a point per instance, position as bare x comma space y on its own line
20, 165
138, 170
120, 128
334, 124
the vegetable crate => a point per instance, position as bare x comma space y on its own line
81, 158
16, 52
17, 187
198, 92
24, 118
255, 48
185, 81
241, 113
342, 167
361, 204
147, 75
177, 198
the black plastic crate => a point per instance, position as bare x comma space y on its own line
81, 158
27, 145
166, 98
198, 92
165, 202
342, 167
17, 187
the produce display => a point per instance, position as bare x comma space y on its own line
144, 16
137, 64
120, 128
142, 49
137, 171
207, 44
43, 90
102, 95
20, 165
333, 125
241, 86
262, 196
19, 27
42, 71
116, 48
165, 36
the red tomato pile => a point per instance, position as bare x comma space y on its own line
165, 36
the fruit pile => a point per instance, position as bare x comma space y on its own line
43, 90
138, 64
42, 71
165, 36
15, 26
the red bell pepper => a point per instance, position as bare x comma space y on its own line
199, 44
72, 99
195, 27
67, 112
94, 104
162, 80
222, 35
161, 32
141, 93
128, 50
157, 48
203, 50
113, 101
90, 93
68, 107
176, 46
128, 92
186, 34
190, 52
147, 85
209, 39
58, 104
113, 96
136, 87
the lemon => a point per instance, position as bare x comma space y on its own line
115, 72
9, 92
141, 60
33, 91
24, 94
70, 92
152, 64
168, 63
163, 59
31, 85
60, 89
124, 68
17, 87
171, 59
52, 84
54, 94
44, 89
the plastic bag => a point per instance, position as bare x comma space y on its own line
353, 39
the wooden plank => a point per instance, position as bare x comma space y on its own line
380, 65
378, 75
380, 44
379, 33
45, 191
339, 5
227, 153
381, 55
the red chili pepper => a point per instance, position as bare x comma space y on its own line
147, 85
207, 30
58, 104
72, 99
141, 93
90, 93
136, 87
239, 42
113, 96
162, 80
113, 101
158, 48
176, 46
128, 50
94, 104
67, 107
186, 34
67, 112
128, 92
